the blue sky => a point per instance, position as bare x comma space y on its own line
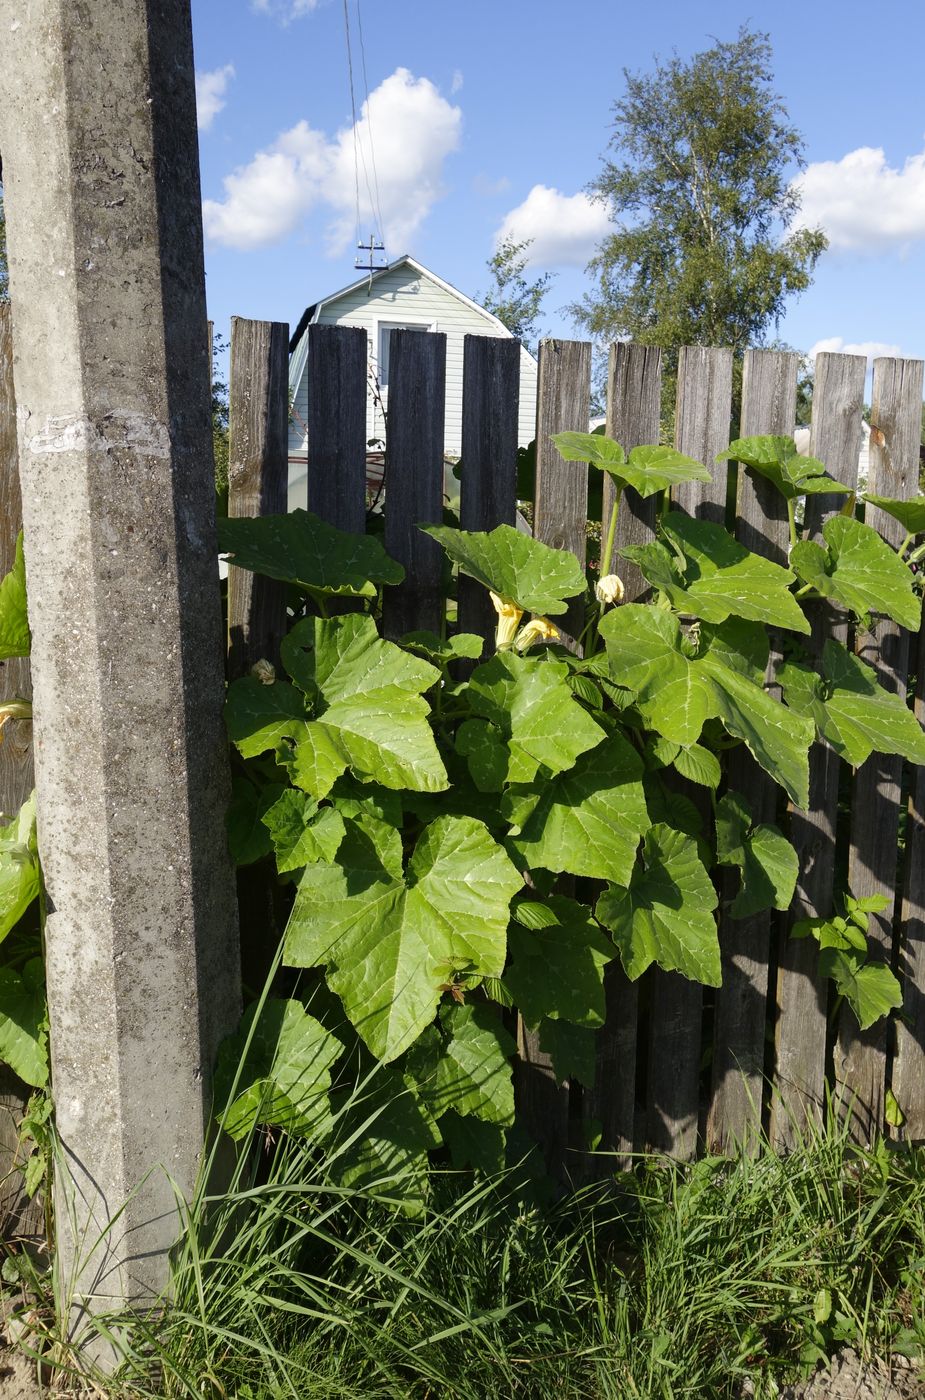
493, 115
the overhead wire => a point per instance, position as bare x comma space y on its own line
376, 205
353, 113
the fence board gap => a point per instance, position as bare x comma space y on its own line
414, 479
336, 425
488, 480
769, 385
800, 1028
634, 386
860, 1056
258, 476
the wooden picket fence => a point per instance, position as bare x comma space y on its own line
679, 1069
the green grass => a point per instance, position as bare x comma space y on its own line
668, 1282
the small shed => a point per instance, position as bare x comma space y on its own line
403, 295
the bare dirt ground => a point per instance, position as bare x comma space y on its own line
848, 1378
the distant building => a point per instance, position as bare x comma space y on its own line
404, 295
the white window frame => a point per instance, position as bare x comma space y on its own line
394, 323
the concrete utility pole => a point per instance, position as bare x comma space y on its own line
101, 171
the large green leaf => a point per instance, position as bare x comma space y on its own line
851, 709
870, 988
473, 1142
248, 838
647, 469
530, 703
472, 1072
646, 655
587, 821
557, 967
299, 832
391, 944
281, 1077
860, 570
259, 717
15, 637
763, 854
370, 714
343, 657
20, 876
517, 567
299, 548
677, 692
24, 1022
722, 579
381, 1140
571, 1049
777, 459
665, 915
909, 513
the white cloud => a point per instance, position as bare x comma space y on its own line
457, 82
564, 229
870, 349
864, 204
210, 94
285, 10
406, 125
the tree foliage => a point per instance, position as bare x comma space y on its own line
515, 301
699, 186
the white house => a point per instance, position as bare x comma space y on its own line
402, 295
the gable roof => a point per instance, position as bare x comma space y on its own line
312, 312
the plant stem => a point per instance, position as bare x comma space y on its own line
792, 522
604, 568
802, 592
906, 543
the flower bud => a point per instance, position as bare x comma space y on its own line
509, 615
609, 589
264, 672
538, 629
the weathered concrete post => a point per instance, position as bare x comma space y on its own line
101, 179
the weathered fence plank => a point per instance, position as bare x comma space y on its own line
769, 384
860, 1056
414, 479
909, 1063
488, 484
702, 416
560, 520
704, 406
802, 995
634, 381
18, 1215
562, 405
336, 367
258, 478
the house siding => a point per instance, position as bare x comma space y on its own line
404, 294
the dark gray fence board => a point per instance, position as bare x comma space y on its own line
704, 407
634, 388
488, 483
633, 406
768, 406
258, 476
802, 995
860, 1056
560, 520
414, 479
336, 427
562, 405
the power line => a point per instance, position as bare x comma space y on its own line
353, 111
369, 122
